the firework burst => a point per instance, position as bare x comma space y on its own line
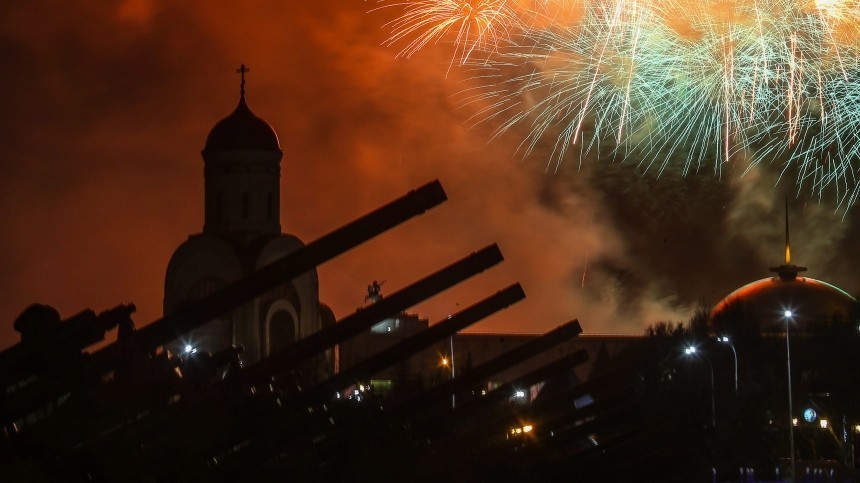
472, 25
667, 83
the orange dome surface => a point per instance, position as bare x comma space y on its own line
810, 301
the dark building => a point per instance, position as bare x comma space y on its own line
242, 233
810, 326
465, 350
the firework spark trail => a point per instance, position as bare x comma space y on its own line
637, 33
479, 25
571, 69
759, 60
613, 24
728, 83
749, 81
823, 12
792, 119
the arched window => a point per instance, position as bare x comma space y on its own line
282, 331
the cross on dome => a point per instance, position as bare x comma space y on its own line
241, 70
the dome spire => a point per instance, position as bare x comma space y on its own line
241, 70
242, 130
787, 271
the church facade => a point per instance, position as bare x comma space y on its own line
242, 233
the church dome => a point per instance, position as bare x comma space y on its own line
242, 130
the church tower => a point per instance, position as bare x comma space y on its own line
242, 172
242, 233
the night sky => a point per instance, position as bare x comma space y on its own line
107, 104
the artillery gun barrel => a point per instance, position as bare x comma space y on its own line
57, 351
368, 316
432, 395
72, 334
86, 329
170, 327
362, 319
385, 358
439, 424
491, 367
290, 266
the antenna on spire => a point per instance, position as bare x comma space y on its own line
788, 271
241, 70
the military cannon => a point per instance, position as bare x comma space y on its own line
73, 336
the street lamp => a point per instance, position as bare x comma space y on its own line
691, 350
726, 340
453, 372
446, 363
787, 314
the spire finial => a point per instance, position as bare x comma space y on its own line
241, 70
788, 271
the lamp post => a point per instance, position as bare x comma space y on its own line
449, 363
691, 350
453, 373
788, 315
726, 340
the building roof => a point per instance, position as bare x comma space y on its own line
765, 304
242, 129
810, 301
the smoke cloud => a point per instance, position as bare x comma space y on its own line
107, 105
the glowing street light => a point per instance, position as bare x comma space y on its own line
691, 350
189, 350
726, 340
449, 363
519, 430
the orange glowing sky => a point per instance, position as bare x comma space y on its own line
106, 106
